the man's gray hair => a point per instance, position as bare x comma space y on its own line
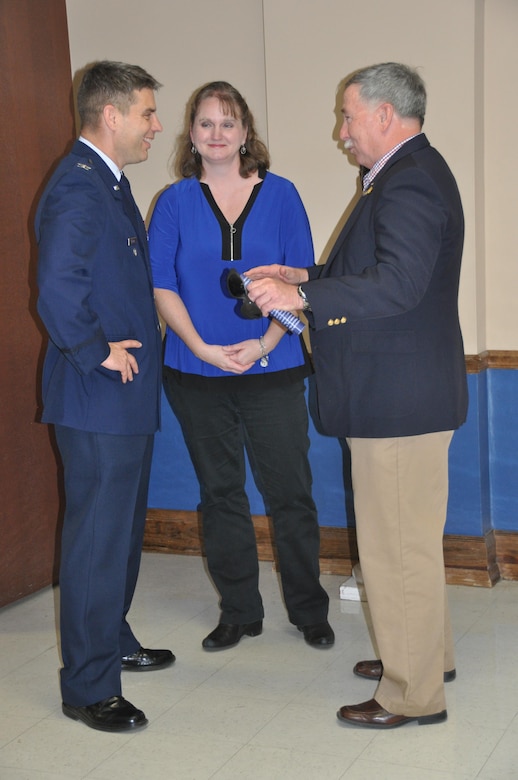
394, 83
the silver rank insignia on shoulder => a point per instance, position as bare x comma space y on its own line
84, 166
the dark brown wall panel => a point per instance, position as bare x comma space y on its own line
36, 128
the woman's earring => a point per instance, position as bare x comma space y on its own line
194, 150
243, 149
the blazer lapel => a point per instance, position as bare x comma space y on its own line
415, 144
355, 214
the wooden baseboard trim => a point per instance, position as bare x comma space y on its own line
507, 554
180, 532
469, 560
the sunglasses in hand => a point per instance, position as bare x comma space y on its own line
237, 289
237, 284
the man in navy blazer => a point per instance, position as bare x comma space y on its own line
101, 386
390, 379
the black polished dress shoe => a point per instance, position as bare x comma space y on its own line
228, 634
113, 714
318, 635
372, 715
373, 670
147, 660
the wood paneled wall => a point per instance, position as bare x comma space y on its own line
36, 128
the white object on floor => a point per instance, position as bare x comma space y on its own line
349, 590
352, 589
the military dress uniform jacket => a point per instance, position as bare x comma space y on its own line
95, 286
385, 333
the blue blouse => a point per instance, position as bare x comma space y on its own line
189, 249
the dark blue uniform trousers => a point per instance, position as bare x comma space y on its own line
106, 485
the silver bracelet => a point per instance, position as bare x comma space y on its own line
265, 358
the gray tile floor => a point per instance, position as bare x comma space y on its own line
264, 710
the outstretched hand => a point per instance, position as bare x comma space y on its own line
284, 273
275, 287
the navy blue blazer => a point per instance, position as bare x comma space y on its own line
95, 286
385, 333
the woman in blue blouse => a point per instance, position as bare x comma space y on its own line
237, 384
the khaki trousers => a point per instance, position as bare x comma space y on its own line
400, 490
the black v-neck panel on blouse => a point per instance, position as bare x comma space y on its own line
231, 234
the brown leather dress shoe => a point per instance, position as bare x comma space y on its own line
147, 660
372, 715
373, 670
113, 714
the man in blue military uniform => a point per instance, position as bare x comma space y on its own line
101, 386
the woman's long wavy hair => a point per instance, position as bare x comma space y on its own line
185, 164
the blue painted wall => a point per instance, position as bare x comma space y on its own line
483, 465
503, 448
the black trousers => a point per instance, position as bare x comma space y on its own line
272, 426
